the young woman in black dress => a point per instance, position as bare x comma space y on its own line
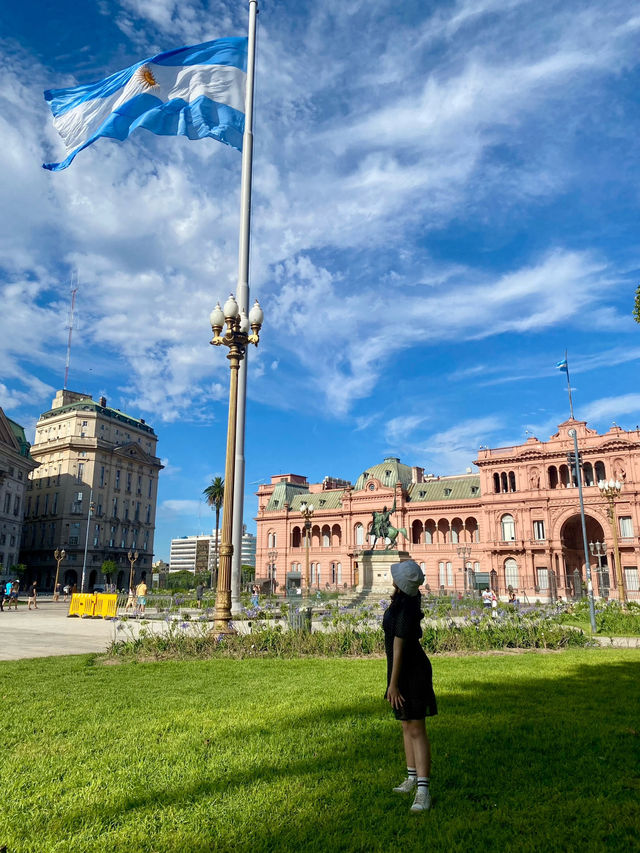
409, 679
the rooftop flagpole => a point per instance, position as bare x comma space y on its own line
242, 296
566, 361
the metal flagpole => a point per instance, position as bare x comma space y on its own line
566, 361
242, 296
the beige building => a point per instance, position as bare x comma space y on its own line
90, 454
15, 465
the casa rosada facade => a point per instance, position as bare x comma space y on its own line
514, 524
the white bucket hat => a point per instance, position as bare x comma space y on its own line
407, 576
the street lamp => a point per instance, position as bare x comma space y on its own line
59, 557
464, 551
599, 549
272, 557
236, 338
92, 506
132, 557
610, 491
307, 513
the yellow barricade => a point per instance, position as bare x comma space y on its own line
86, 604
106, 605
82, 604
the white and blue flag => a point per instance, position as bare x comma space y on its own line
193, 91
562, 365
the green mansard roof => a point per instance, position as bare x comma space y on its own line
389, 472
463, 488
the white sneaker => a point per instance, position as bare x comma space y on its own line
422, 801
405, 787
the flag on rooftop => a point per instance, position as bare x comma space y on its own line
562, 365
195, 91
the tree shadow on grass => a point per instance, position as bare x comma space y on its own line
549, 763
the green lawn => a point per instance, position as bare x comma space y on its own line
536, 752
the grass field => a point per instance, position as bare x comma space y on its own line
532, 752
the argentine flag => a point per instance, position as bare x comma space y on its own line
193, 91
562, 365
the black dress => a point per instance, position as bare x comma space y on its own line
402, 619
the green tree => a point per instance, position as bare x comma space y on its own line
109, 567
636, 307
215, 498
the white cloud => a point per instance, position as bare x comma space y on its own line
180, 507
613, 407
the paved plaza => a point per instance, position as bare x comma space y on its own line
48, 631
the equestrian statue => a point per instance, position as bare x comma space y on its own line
380, 527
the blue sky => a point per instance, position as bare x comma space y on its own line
446, 197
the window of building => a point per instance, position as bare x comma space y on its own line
128, 482
102, 475
511, 573
601, 474
359, 534
96, 535
115, 508
626, 527
80, 471
117, 478
326, 538
16, 505
7, 503
508, 528
46, 504
631, 579
54, 508
36, 511
543, 579
538, 530
139, 490
150, 487
74, 533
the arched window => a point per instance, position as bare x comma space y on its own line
326, 536
601, 474
339, 572
496, 483
471, 524
443, 530
552, 473
359, 534
456, 530
315, 536
430, 531
511, 573
512, 481
503, 482
336, 535
565, 477
296, 537
442, 576
416, 532
508, 528
271, 539
587, 472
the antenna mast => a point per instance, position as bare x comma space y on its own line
74, 290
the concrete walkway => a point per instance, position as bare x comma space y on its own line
48, 631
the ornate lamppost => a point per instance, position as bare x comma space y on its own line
610, 491
307, 513
599, 550
132, 556
272, 557
236, 338
59, 557
464, 551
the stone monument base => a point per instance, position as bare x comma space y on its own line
375, 570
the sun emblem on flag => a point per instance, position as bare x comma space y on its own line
144, 75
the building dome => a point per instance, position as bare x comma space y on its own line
388, 472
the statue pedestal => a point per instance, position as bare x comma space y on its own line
375, 570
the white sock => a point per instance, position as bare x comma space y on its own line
423, 782
411, 773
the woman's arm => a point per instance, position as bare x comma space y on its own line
394, 696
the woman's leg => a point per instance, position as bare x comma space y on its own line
416, 734
408, 744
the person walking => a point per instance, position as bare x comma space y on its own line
6, 594
33, 595
199, 594
409, 679
141, 593
13, 598
131, 600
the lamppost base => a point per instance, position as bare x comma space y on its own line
223, 627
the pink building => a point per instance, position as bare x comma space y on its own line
516, 523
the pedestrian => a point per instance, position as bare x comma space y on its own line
409, 679
199, 594
486, 598
131, 599
141, 594
56, 592
66, 590
255, 600
494, 605
13, 598
6, 595
33, 595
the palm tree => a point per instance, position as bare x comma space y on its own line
215, 498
